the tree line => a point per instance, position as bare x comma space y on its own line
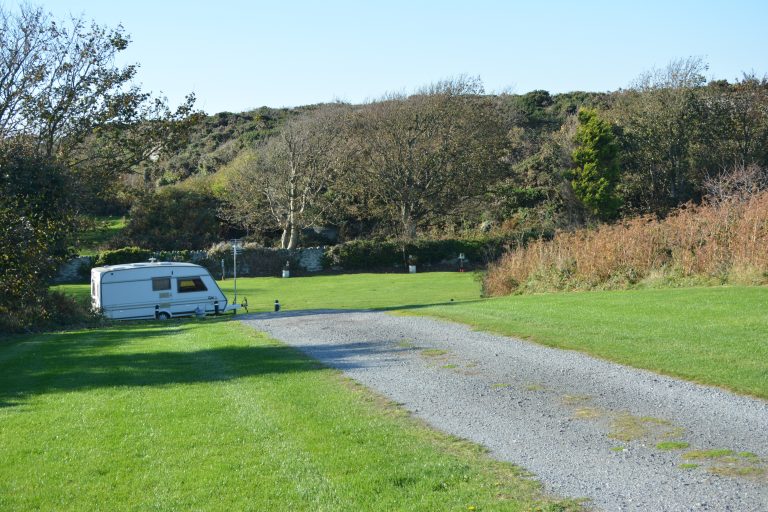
78, 137
450, 158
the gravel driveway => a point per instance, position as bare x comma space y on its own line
584, 427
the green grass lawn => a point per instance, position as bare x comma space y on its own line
210, 415
105, 229
390, 291
350, 291
713, 335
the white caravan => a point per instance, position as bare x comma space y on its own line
156, 290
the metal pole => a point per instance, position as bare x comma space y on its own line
234, 272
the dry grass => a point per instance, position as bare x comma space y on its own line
587, 413
725, 242
727, 463
627, 427
434, 352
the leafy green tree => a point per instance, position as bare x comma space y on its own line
534, 106
661, 118
61, 88
735, 125
37, 222
173, 219
597, 169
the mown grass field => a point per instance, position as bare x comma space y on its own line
388, 291
211, 415
716, 335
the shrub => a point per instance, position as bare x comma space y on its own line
375, 254
65, 310
180, 255
363, 254
254, 260
122, 256
46, 310
84, 269
173, 218
37, 220
723, 242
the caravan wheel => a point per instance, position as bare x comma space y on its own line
163, 316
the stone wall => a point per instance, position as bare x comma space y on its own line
311, 259
71, 271
308, 260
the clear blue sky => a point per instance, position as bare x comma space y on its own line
237, 55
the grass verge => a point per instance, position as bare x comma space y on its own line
672, 445
716, 336
211, 415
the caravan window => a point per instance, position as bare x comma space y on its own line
161, 283
191, 284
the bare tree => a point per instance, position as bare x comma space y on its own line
680, 73
740, 183
283, 184
420, 156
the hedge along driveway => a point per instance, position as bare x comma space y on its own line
373, 254
252, 261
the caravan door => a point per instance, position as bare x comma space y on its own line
163, 292
191, 293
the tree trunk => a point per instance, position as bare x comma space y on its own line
284, 239
293, 232
409, 223
293, 240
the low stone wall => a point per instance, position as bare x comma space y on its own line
71, 271
311, 259
253, 261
